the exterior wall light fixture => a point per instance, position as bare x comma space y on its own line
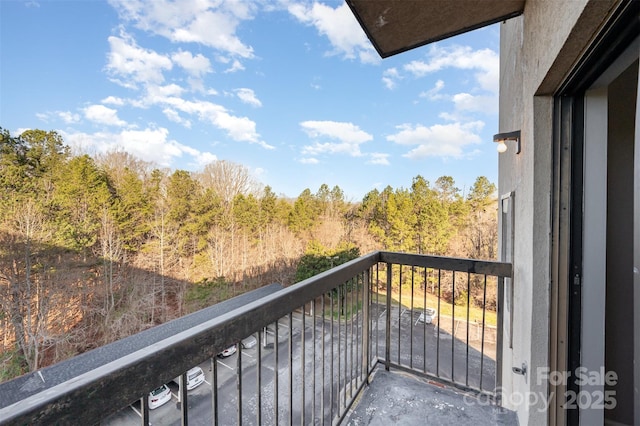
501, 138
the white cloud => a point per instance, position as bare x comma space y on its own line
473, 103
69, 117
240, 129
309, 160
447, 116
205, 158
248, 96
113, 100
173, 115
348, 135
485, 61
235, 66
390, 77
196, 66
102, 115
440, 140
379, 158
210, 23
340, 27
434, 94
151, 145
131, 64
43, 116
158, 93
346, 132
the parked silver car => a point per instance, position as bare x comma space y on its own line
195, 377
427, 316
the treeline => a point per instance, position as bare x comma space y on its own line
93, 249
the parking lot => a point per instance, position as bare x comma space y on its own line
414, 343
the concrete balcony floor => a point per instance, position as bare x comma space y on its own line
396, 398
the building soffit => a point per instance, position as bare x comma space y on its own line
395, 26
571, 58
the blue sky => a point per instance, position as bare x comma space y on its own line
292, 90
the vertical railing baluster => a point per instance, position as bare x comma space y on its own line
484, 310
387, 349
438, 338
259, 378
366, 312
359, 327
453, 328
144, 406
290, 365
322, 349
182, 390
424, 323
214, 390
339, 353
358, 331
466, 379
239, 381
347, 346
377, 308
346, 349
399, 311
302, 365
351, 350
499, 328
276, 380
313, 362
332, 393
411, 322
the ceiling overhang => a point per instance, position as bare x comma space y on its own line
394, 26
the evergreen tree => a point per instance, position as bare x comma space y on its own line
82, 192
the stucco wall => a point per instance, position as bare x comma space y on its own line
537, 52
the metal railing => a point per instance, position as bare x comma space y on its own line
459, 340
317, 343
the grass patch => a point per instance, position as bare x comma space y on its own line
446, 309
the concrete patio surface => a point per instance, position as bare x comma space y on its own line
396, 398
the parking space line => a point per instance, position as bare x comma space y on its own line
136, 411
220, 362
247, 354
205, 380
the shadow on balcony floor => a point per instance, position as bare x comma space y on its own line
398, 398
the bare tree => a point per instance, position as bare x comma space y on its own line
111, 253
116, 161
21, 296
228, 179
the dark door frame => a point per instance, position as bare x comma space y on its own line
567, 222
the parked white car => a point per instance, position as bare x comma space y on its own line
427, 316
249, 342
159, 396
227, 352
195, 377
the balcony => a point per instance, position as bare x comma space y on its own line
352, 345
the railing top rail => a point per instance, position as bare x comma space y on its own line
485, 267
